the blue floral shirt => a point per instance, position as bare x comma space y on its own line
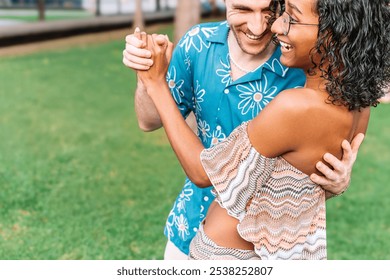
199, 79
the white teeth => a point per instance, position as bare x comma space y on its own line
284, 45
253, 37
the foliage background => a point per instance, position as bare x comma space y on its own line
78, 180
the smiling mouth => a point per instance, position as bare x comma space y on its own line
253, 37
285, 45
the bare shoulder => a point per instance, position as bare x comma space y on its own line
292, 102
278, 128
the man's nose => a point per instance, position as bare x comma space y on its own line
257, 23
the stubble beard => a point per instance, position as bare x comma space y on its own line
264, 45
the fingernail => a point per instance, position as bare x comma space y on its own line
137, 29
326, 156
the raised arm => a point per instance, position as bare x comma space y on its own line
137, 57
184, 142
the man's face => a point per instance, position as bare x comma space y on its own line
249, 22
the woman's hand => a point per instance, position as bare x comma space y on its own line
161, 52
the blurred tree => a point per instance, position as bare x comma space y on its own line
138, 15
158, 5
97, 11
119, 5
41, 9
214, 8
6, 3
187, 14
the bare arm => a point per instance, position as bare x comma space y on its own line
137, 57
184, 142
338, 178
147, 114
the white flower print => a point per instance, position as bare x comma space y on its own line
217, 136
184, 196
175, 84
181, 224
255, 96
187, 62
202, 215
169, 224
204, 129
193, 39
276, 65
199, 93
224, 72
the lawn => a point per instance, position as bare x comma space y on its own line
50, 15
79, 180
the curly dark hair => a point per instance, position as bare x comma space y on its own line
275, 8
354, 45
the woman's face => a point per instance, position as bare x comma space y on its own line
300, 36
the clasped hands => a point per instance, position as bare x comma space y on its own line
157, 53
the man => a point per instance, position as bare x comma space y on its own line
225, 73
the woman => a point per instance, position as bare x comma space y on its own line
266, 206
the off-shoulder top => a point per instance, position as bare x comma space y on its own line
280, 210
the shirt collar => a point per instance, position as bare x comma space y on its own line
221, 35
272, 64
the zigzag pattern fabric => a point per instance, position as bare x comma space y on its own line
280, 210
203, 248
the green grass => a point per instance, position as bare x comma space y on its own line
50, 15
359, 221
78, 180
34, 18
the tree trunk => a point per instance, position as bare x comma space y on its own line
158, 5
41, 10
214, 8
187, 14
138, 16
119, 4
97, 11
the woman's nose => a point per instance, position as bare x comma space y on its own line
277, 26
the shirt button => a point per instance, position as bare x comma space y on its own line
226, 90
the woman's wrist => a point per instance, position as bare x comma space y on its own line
154, 82
157, 88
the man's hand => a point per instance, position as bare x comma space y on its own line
336, 181
135, 55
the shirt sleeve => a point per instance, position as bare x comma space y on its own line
180, 78
236, 170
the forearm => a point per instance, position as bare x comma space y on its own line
147, 114
184, 142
